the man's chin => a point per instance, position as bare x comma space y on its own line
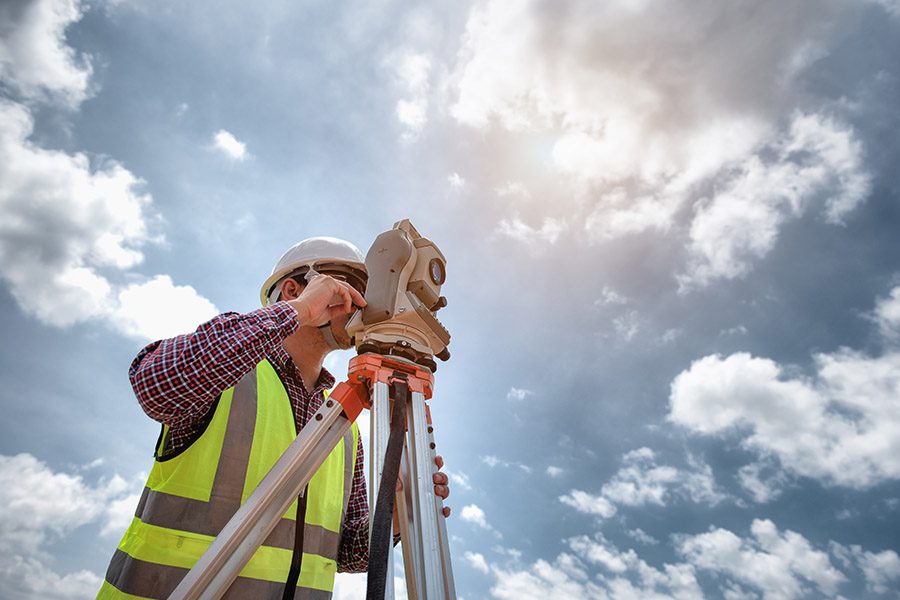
343, 340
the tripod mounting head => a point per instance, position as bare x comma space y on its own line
406, 272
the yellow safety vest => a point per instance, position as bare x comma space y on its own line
189, 497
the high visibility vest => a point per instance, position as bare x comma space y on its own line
190, 497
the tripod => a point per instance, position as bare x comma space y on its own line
379, 383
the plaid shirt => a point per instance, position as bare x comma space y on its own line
178, 380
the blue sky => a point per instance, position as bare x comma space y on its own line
673, 267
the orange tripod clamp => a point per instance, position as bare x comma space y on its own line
367, 369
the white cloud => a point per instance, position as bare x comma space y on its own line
225, 142
763, 488
119, 515
38, 506
619, 213
544, 580
698, 483
350, 586
769, 563
514, 554
518, 394
780, 565
62, 223
477, 561
548, 233
609, 296
602, 553
738, 330
413, 115
623, 575
628, 325
740, 224
412, 70
880, 569
841, 427
493, 461
514, 189
97, 462
642, 536
670, 335
458, 478
589, 504
554, 471
157, 309
887, 315
26, 578
69, 223
626, 96
641, 120
472, 513
35, 60
641, 481
492, 39
456, 181
39, 503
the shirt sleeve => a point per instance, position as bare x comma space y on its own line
176, 381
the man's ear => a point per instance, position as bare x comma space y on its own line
290, 289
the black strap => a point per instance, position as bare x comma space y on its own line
290, 586
379, 546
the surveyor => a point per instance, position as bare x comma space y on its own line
231, 397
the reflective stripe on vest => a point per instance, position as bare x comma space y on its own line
190, 497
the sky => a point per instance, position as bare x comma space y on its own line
673, 275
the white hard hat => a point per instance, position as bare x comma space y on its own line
319, 253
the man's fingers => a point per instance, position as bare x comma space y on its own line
441, 481
348, 295
358, 298
343, 297
446, 511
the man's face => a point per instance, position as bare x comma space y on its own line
339, 331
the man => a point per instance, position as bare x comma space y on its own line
231, 397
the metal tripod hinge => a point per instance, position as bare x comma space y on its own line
426, 550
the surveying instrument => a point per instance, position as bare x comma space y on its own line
397, 338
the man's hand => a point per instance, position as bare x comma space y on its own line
325, 298
441, 483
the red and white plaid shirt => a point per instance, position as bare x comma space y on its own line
178, 380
